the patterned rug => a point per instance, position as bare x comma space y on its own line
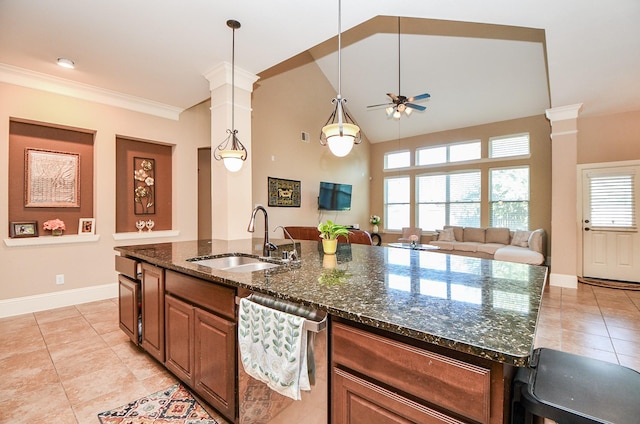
174, 405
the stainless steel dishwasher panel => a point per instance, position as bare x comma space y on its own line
258, 404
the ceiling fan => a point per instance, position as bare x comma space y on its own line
400, 103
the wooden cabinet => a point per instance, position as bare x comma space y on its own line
129, 297
179, 326
391, 380
153, 310
129, 306
201, 339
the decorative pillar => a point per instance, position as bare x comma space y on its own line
230, 191
564, 195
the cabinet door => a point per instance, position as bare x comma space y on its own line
215, 358
179, 324
153, 310
128, 309
357, 401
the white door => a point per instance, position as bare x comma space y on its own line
611, 244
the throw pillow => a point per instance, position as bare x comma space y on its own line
497, 235
446, 235
520, 238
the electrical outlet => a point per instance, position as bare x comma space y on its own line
60, 279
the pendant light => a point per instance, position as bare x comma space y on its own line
231, 151
340, 132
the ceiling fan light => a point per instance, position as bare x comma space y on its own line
408, 111
401, 107
397, 114
389, 110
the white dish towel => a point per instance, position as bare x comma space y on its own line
273, 348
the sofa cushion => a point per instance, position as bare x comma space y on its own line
490, 248
458, 232
520, 238
446, 235
474, 234
536, 238
467, 246
518, 254
497, 235
443, 245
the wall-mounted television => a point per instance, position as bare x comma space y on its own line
334, 197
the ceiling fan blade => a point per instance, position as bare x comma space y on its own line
381, 104
419, 97
414, 106
393, 96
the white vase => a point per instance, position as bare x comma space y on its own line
375, 228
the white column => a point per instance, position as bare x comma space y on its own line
230, 191
564, 198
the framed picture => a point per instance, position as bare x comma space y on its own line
144, 180
86, 226
52, 179
283, 192
23, 229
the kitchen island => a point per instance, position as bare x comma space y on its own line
471, 320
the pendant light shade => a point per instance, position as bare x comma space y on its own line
231, 151
340, 132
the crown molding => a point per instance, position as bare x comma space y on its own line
222, 74
562, 113
39, 81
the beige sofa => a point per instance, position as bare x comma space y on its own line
502, 244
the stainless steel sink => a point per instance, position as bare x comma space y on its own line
234, 263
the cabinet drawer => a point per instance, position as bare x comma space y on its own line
127, 266
359, 401
434, 378
207, 295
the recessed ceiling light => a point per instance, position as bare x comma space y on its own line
66, 63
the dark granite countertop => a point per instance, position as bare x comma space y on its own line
482, 307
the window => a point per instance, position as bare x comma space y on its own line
510, 145
612, 200
448, 199
397, 198
397, 160
509, 198
458, 152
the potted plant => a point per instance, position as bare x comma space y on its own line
55, 225
375, 221
329, 233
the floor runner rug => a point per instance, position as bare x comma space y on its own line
174, 405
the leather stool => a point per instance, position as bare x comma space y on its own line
572, 389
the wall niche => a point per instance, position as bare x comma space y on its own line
50, 174
143, 184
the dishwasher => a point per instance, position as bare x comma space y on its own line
259, 404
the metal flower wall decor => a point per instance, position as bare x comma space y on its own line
143, 186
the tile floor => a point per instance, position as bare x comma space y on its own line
66, 365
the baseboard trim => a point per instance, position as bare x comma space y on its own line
563, 280
43, 302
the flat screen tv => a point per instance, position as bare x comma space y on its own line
334, 197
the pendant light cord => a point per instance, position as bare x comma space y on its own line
233, 78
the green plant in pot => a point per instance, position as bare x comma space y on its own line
329, 232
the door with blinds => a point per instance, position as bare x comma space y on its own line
611, 244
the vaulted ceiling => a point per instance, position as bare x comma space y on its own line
549, 53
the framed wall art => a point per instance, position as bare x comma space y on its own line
86, 226
52, 179
144, 170
283, 192
23, 229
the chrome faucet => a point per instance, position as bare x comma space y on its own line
267, 247
293, 255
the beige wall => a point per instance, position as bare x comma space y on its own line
284, 105
31, 270
540, 164
609, 138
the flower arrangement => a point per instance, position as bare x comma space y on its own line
374, 220
414, 239
54, 224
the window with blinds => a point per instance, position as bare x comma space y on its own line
509, 145
612, 200
448, 199
397, 198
